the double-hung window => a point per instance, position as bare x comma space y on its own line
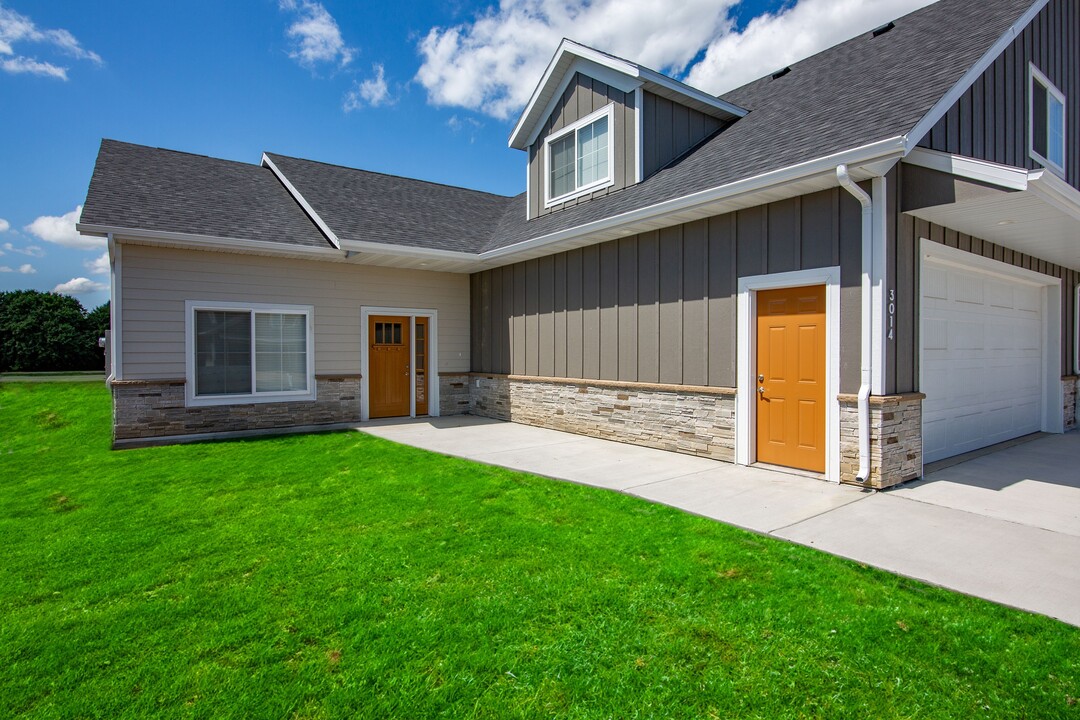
249, 353
1047, 121
579, 157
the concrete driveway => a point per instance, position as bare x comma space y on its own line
1004, 526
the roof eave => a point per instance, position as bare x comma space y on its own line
207, 242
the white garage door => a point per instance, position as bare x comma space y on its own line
982, 359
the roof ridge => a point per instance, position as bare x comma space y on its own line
391, 175
181, 152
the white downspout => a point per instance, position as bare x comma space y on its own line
867, 316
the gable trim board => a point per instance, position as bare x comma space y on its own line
267, 162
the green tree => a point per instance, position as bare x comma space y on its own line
99, 320
42, 331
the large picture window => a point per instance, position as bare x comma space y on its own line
579, 157
1047, 121
257, 353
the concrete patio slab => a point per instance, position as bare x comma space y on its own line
1018, 565
759, 500
1002, 526
1036, 483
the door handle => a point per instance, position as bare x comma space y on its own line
761, 390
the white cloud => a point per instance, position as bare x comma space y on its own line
27, 269
61, 230
30, 250
4, 225
5, 268
99, 265
492, 64
372, 92
16, 28
770, 42
20, 65
316, 35
79, 286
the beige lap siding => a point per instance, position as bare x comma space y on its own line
157, 281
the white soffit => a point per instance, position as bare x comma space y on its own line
1041, 219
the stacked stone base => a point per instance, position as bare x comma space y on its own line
1070, 386
691, 420
144, 409
895, 439
455, 395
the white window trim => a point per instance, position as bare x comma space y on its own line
1036, 75
193, 400
606, 111
746, 344
366, 311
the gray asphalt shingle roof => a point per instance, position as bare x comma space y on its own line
144, 188
852, 94
861, 91
373, 207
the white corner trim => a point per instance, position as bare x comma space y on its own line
302, 202
942, 106
639, 135
116, 309
1006, 176
608, 111
1052, 396
366, 311
190, 398
878, 326
746, 352
1036, 75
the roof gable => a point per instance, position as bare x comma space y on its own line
572, 57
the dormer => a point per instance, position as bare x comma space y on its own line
597, 123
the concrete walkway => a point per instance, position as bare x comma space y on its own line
1005, 526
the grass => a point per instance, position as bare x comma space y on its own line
339, 575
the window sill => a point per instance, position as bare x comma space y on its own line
605, 183
261, 398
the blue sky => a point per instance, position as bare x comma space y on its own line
427, 90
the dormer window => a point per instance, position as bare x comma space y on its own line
579, 157
1047, 122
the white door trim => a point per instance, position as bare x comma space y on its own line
746, 344
366, 311
1053, 418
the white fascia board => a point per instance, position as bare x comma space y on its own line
364, 246
210, 242
942, 106
1052, 190
856, 157
1006, 176
302, 202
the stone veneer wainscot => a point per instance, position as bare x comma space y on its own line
682, 418
151, 409
895, 439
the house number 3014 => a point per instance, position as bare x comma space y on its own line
892, 314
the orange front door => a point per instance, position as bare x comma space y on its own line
790, 380
389, 379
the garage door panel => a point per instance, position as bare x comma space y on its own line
982, 359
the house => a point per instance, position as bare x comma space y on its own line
856, 265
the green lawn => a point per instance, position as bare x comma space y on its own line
339, 575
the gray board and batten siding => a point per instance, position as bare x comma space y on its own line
990, 120
660, 307
671, 129
583, 96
